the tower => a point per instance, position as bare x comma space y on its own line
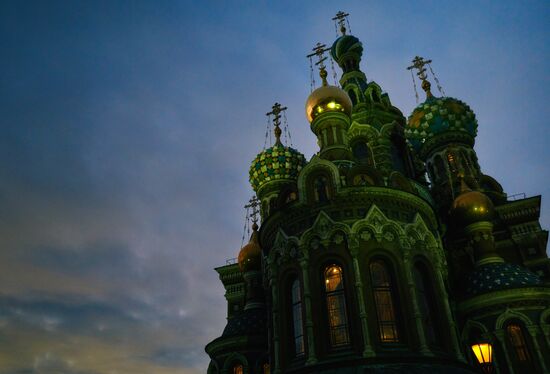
363, 265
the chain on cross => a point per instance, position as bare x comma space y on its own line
276, 111
319, 51
341, 19
253, 208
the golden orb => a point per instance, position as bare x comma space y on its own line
327, 99
250, 256
471, 207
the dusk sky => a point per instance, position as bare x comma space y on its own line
128, 129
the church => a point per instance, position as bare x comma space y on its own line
389, 251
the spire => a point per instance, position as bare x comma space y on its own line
319, 51
276, 113
341, 19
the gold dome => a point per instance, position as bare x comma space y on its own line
471, 207
250, 256
327, 99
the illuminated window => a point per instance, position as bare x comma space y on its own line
297, 325
265, 368
336, 305
518, 345
238, 369
384, 302
424, 294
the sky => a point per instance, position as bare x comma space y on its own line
128, 128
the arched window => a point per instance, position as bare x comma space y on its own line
361, 152
238, 369
518, 345
352, 96
297, 324
336, 305
321, 189
384, 301
265, 368
426, 300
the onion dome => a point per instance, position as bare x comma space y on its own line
277, 163
440, 115
347, 48
471, 207
498, 276
438, 119
327, 99
250, 256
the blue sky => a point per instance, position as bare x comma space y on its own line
128, 129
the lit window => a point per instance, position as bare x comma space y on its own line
517, 341
297, 325
384, 302
238, 369
336, 305
265, 368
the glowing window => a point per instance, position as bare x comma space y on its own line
297, 325
517, 341
265, 368
336, 305
384, 302
238, 369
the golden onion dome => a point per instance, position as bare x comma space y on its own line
327, 99
250, 256
471, 207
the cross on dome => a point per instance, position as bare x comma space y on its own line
341, 19
319, 51
276, 113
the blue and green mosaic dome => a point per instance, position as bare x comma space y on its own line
499, 276
275, 163
438, 115
344, 45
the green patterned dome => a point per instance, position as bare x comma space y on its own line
274, 164
439, 115
344, 46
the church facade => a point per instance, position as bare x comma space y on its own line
389, 251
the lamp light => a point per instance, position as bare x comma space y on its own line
484, 356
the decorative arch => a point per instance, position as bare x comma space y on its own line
469, 326
399, 181
232, 360
511, 314
361, 130
323, 228
317, 165
379, 224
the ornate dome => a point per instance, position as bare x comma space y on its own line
344, 46
497, 276
250, 256
327, 99
439, 115
275, 163
471, 207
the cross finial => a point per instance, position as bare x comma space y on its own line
254, 204
276, 111
319, 51
419, 64
341, 19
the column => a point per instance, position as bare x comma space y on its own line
500, 336
534, 333
354, 249
311, 358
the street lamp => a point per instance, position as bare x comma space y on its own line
484, 355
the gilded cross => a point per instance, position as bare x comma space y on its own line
341, 19
276, 111
253, 204
319, 51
